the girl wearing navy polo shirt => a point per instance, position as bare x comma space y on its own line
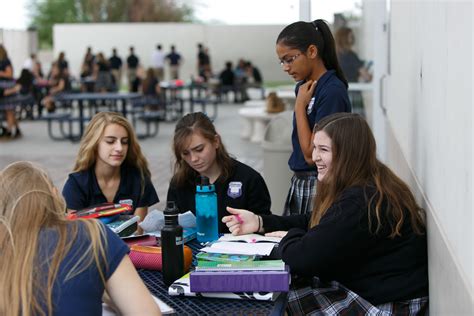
307, 53
54, 266
364, 244
199, 151
110, 167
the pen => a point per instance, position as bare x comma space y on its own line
237, 217
98, 208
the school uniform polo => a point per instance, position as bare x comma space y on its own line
82, 189
330, 96
244, 189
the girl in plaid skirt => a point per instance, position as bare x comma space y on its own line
362, 251
307, 53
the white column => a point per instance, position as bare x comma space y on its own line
305, 10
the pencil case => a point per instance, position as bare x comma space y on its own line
149, 257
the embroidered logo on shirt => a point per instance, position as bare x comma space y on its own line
127, 201
310, 105
235, 190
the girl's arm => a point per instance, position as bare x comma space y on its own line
134, 298
7, 73
58, 88
305, 133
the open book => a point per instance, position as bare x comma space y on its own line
250, 238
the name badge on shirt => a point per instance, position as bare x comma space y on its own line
235, 190
310, 105
127, 201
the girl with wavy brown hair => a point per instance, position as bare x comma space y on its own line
110, 167
53, 266
364, 244
199, 151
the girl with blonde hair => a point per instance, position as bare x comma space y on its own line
364, 244
54, 266
110, 167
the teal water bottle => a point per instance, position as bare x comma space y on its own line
206, 211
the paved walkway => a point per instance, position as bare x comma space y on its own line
58, 156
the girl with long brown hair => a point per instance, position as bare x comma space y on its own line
199, 150
53, 266
364, 244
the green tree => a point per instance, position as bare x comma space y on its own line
45, 13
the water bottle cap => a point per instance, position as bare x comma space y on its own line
203, 180
171, 208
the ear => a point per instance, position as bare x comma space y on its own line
312, 52
217, 141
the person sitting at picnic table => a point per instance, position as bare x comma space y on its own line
364, 244
58, 83
24, 86
110, 167
199, 151
150, 88
54, 266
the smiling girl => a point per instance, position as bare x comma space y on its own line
363, 249
199, 151
307, 53
110, 167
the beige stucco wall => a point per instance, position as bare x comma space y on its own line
429, 138
225, 42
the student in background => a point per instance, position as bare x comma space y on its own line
199, 151
307, 52
364, 243
351, 65
115, 63
56, 266
158, 62
174, 60
150, 88
58, 82
110, 167
103, 76
132, 66
24, 86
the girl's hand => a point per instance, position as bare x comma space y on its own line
305, 93
278, 233
241, 221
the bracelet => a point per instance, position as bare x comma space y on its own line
259, 223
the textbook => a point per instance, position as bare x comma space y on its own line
240, 281
181, 287
259, 265
238, 248
222, 257
250, 238
125, 225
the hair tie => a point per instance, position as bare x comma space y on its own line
315, 25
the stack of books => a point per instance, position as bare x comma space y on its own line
240, 276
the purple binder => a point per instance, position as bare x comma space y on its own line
240, 281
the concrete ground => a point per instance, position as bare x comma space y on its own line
58, 156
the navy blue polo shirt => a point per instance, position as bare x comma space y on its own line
330, 96
82, 189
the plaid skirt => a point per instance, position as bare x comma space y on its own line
301, 194
332, 298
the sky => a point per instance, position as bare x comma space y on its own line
13, 13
